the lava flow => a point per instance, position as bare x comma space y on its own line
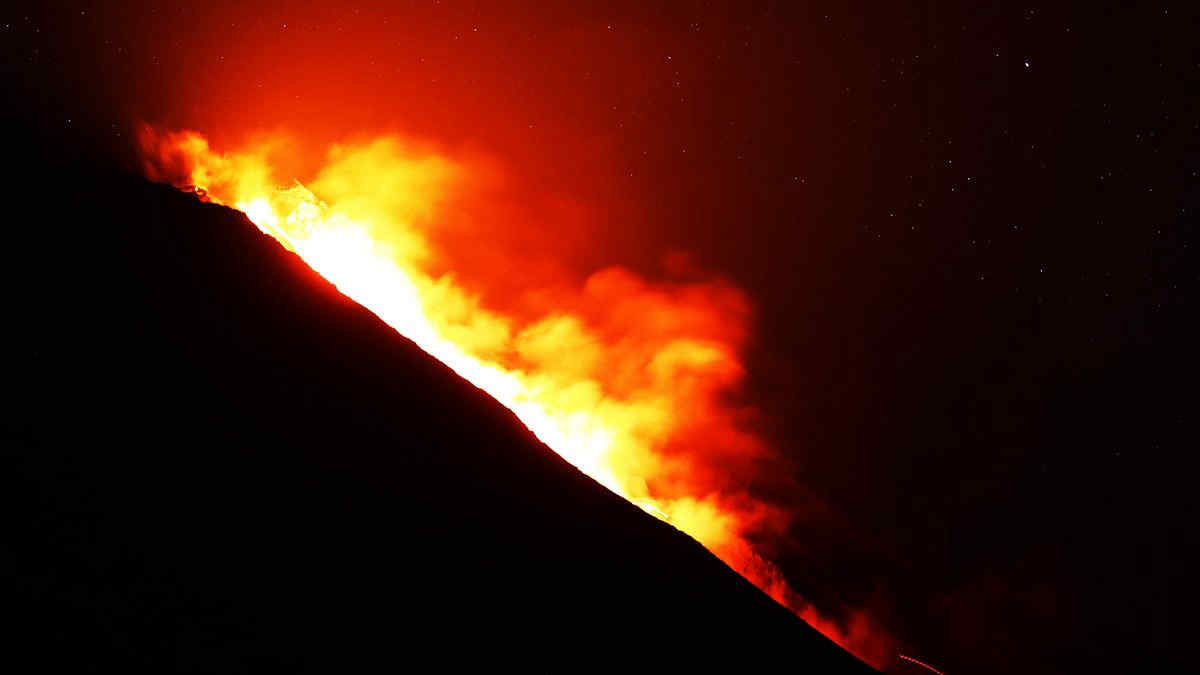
629, 380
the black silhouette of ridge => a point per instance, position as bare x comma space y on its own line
215, 462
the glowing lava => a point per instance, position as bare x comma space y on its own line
626, 379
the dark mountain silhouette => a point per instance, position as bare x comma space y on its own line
215, 462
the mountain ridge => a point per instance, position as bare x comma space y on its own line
235, 467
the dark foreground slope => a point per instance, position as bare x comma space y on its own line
214, 462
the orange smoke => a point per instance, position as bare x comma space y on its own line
631, 381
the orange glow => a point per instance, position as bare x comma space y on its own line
627, 379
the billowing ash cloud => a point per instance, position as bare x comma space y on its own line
636, 381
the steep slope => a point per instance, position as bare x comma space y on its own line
213, 461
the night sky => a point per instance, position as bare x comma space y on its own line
967, 230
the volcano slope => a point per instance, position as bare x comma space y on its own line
215, 462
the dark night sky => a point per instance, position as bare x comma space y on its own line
966, 229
